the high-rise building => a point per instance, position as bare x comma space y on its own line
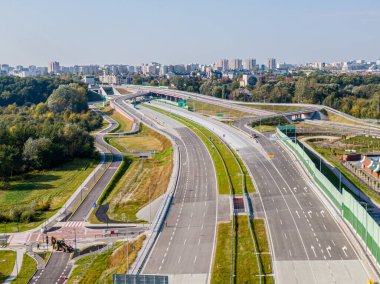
223, 63
249, 64
271, 64
236, 64
53, 67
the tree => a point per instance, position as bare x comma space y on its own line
8, 156
68, 97
39, 152
252, 81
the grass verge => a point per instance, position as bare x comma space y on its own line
7, 262
41, 194
210, 109
139, 180
246, 261
28, 268
99, 268
124, 123
275, 108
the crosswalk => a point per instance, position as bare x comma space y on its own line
74, 224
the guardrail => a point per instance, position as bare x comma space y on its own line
167, 200
352, 211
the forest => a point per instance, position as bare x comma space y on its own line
42, 125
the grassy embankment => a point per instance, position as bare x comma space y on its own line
43, 192
7, 262
99, 268
213, 110
129, 190
244, 265
275, 108
28, 268
123, 91
269, 124
329, 155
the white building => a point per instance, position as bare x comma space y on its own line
53, 67
271, 63
249, 64
235, 64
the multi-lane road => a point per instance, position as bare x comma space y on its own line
184, 248
308, 243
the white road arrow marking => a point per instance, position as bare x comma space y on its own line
312, 248
298, 214
328, 251
322, 212
310, 212
344, 250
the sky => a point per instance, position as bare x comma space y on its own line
187, 31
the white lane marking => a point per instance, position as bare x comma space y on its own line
285, 236
298, 214
290, 253
344, 250
333, 242
328, 250
179, 259
312, 248
280, 221
195, 259
324, 227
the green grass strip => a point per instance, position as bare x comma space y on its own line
28, 268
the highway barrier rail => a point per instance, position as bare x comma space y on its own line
352, 211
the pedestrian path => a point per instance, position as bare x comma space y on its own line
18, 239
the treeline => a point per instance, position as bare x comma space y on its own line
46, 134
29, 90
358, 95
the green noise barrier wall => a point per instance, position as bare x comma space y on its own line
352, 211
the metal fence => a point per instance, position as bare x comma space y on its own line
353, 211
140, 279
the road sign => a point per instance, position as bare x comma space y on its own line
94, 205
219, 114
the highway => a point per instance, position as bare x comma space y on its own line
308, 244
184, 248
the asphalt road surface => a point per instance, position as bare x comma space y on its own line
56, 270
185, 246
115, 158
308, 244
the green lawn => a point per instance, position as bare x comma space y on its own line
265, 128
129, 189
124, 123
41, 194
222, 261
210, 109
275, 108
100, 267
7, 262
246, 267
28, 268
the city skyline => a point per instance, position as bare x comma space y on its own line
170, 32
